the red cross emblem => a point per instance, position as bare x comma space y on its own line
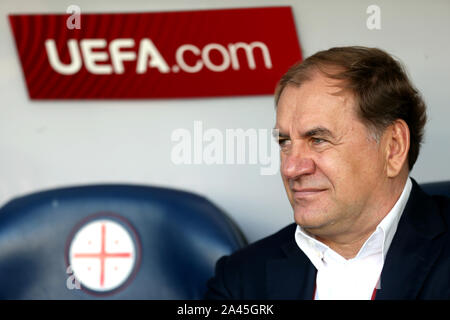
102, 255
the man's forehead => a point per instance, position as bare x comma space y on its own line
314, 105
311, 91
314, 97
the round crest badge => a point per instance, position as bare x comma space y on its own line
104, 253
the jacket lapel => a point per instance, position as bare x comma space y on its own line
292, 277
414, 248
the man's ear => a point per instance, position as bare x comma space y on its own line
397, 147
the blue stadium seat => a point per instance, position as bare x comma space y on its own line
112, 242
441, 188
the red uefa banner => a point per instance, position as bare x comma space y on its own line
203, 53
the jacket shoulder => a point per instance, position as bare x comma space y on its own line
443, 204
242, 274
268, 247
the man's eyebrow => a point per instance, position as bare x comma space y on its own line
318, 131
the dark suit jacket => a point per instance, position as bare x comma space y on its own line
417, 265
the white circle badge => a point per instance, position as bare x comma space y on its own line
102, 255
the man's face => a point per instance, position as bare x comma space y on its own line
332, 169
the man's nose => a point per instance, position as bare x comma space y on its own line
296, 164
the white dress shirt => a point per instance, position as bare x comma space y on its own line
356, 278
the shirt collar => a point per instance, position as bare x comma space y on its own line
390, 222
378, 242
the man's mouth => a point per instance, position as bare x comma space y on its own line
306, 192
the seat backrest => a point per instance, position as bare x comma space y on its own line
437, 188
111, 242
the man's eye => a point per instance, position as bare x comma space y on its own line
318, 140
283, 142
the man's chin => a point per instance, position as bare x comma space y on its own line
308, 218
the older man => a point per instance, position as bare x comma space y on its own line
350, 127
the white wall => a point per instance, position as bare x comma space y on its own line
50, 144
